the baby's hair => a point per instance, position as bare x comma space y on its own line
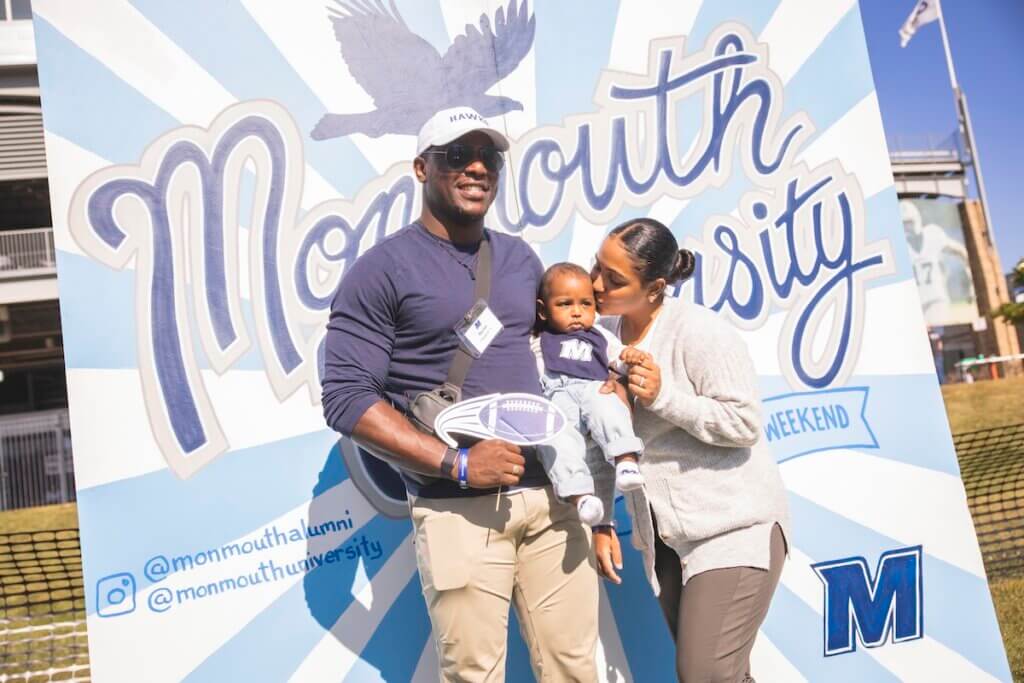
564, 268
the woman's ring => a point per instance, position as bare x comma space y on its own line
515, 470
642, 378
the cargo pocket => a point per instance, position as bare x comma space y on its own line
440, 551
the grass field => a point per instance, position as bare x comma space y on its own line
970, 407
1008, 596
982, 405
42, 604
39, 519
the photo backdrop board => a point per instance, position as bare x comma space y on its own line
205, 210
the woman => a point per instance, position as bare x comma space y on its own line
711, 522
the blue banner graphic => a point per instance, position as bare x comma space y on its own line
807, 422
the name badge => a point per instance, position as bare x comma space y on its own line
478, 328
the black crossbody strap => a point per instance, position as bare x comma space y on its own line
482, 275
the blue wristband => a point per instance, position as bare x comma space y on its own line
463, 468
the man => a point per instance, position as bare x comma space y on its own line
391, 332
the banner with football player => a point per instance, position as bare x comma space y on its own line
935, 236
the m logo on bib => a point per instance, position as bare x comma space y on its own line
577, 349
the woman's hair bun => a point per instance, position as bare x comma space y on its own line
654, 250
683, 266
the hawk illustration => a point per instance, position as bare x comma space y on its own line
408, 78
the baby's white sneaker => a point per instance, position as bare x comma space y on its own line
627, 476
591, 509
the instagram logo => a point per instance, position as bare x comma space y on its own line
115, 595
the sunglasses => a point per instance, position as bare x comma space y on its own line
458, 156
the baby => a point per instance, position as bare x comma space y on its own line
575, 356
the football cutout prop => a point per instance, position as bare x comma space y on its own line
522, 419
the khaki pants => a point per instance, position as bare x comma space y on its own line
476, 555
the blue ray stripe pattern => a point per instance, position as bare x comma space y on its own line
560, 88
824, 534
275, 643
227, 500
108, 118
263, 74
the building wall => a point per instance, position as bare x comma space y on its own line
24, 204
1001, 338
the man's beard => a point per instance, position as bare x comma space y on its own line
457, 216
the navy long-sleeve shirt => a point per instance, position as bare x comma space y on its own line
391, 329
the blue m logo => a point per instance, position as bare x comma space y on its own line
856, 603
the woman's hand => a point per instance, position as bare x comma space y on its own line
644, 375
608, 553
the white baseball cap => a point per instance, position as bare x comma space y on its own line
451, 124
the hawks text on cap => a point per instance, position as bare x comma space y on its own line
449, 125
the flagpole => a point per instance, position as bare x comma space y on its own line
964, 118
949, 53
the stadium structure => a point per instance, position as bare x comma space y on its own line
955, 260
35, 444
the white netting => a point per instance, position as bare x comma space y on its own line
42, 608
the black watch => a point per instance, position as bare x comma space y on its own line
448, 460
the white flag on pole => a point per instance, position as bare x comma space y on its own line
924, 11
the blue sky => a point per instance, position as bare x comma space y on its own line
916, 100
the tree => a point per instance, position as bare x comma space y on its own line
1013, 312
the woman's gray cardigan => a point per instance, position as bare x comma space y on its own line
709, 475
